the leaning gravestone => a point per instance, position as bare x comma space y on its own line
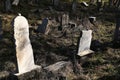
85, 4
24, 51
15, 2
42, 28
7, 5
84, 43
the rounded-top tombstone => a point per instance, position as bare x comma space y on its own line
24, 51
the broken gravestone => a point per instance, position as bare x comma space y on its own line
0, 28
84, 43
15, 2
24, 51
7, 5
43, 28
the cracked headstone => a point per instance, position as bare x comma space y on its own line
15, 2
84, 43
44, 27
24, 51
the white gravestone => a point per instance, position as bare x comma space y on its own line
85, 4
15, 2
85, 42
64, 20
24, 51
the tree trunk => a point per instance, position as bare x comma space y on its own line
115, 3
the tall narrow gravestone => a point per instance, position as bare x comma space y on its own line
85, 42
64, 20
24, 51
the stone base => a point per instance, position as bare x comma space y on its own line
86, 52
35, 67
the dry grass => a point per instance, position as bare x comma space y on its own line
103, 63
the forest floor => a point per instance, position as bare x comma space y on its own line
48, 49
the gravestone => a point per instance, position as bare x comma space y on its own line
42, 28
64, 20
85, 4
0, 28
7, 6
92, 19
24, 51
15, 2
84, 43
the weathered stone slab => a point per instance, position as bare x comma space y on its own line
57, 66
24, 51
85, 42
63, 72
